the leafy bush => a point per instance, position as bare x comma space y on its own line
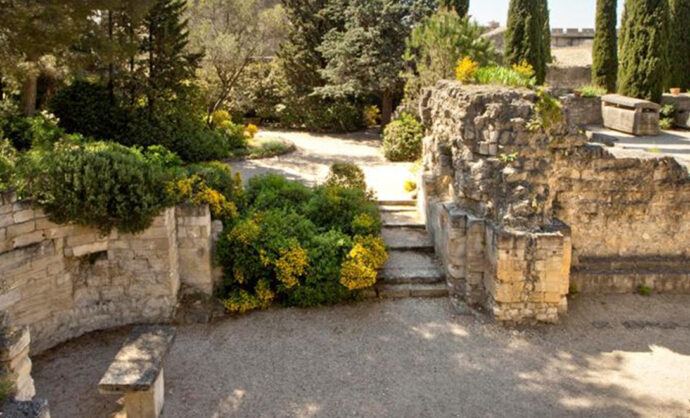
7, 162
219, 117
158, 154
300, 246
218, 176
402, 139
372, 116
592, 90
89, 109
466, 70
40, 130
548, 112
251, 130
505, 76
668, 116
103, 185
347, 176
234, 135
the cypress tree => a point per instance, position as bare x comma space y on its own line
545, 16
644, 65
679, 45
605, 51
460, 6
524, 39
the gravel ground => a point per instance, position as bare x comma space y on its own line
614, 356
315, 154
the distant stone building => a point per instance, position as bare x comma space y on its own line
559, 37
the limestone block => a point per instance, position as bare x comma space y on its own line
629, 115
16, 230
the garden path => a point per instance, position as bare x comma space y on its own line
613, 356
316, 152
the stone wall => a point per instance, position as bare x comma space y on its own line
582, 111
512, 210
65, 280
568, 77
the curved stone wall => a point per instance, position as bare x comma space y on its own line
65, 280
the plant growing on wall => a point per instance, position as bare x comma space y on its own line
643, 51
605, 51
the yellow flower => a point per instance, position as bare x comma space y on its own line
264, 293
466, 70
359, 270
251, 130
291, 265
524, 69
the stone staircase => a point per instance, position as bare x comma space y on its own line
412, 269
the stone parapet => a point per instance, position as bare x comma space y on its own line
65, 280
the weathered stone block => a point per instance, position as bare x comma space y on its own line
629, 115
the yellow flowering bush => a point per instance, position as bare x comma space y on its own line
360, 268
220, 117
372, 116
524, 69
466, 70
291, 265
193, 189
251, 130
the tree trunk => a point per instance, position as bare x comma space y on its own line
29, 93
387, 108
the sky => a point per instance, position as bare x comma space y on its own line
564, 13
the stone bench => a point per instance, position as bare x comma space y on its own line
137, 371
629, 115
682, 104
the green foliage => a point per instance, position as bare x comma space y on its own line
89, 109
436, 45
6, 389
372, 116
605, 50
644, 290
296, 246
592, 91
218, 176
504, 76
668, 116
643, 49
402, 139
347, 176
102, 185
25, 132
548, 112
525, 38
678, 45
8, 157
159, 155
461, 7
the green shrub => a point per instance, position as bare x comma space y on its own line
102, 185
158, 154
271, 191
504, 76
402, 139
8, 156
336, 208
592, 91
348, 176
40, 130
218, 176
234, 135
89, 109
299, 246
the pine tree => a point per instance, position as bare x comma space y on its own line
462, 7
525, 39
605, 50
168, 61
679, 46
644, 65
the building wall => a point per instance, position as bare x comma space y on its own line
65, 280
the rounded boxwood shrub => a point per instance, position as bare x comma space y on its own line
402, 139
99, 184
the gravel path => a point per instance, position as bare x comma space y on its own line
316, 152
618, 356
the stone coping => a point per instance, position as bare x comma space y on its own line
630, 102
139, 361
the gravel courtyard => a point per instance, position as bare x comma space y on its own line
620, 356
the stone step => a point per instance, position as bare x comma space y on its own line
411, 290
395, 208
407, 239
402, 219
404, 202
411, 267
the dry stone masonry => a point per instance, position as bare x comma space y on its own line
518, 215
64, 280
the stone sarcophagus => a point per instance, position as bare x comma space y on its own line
681, 103
629, 115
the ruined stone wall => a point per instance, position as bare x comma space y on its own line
582, 111
512, 209
65, 280
568, 76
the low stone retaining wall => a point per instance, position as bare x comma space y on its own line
64, 280
582, 111
568, 77
512, 210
